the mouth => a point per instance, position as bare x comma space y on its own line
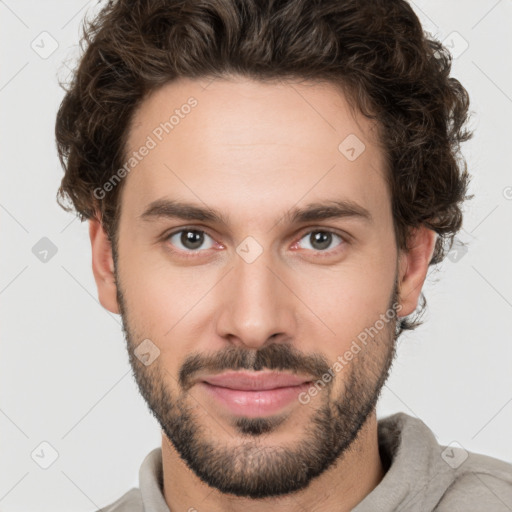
254, 394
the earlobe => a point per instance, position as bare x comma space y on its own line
413, 267
103, 266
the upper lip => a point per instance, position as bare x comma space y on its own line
255, 380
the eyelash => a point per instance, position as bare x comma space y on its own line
193, 254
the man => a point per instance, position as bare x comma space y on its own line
266, 184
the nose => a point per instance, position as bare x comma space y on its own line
257, 303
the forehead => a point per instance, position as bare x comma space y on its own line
249, 146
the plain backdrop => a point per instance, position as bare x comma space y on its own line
65, 379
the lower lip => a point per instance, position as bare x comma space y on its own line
255, 403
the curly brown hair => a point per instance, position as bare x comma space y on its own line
374, 50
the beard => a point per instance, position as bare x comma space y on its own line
252, 467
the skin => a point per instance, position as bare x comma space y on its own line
254, 151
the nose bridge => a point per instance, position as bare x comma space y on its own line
256, 303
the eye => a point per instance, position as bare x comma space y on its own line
320, 240
190, 239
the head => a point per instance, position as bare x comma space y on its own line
210, 145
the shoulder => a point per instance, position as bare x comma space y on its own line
129, 502
426, 475
480, 483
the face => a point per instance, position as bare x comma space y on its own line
290, 266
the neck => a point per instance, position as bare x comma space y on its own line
340, 488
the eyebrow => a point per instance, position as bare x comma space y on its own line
329, 209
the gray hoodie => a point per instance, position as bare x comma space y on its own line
423, 476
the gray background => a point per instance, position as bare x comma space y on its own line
64, 372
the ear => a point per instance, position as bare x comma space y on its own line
413, 265
103, 266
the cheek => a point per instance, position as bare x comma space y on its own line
348, 300
165, 304
150, 296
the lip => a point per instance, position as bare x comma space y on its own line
254, 394
255, 381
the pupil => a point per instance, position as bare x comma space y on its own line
192, 239
321, 239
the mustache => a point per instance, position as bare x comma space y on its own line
278, 356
